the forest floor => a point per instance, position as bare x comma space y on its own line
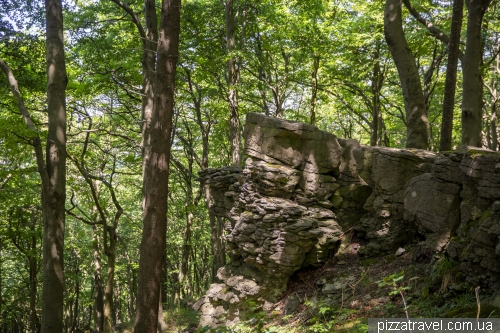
341, 296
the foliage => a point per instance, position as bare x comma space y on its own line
393, 282
279, 45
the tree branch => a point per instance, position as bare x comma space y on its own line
42, 168
435, 31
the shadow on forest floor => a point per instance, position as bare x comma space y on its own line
344, 293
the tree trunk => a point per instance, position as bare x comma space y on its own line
156, 171
110, 250
186, 243
74, 321
33, 271
493, 120
98, 312
130, 281
148, 74
416, 113
451, 76
232, 81
472, 95
54, 190
377, 79
314, 89
262, 75
162, 325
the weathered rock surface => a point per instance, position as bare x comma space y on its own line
301, 188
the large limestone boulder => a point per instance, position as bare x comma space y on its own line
302, 188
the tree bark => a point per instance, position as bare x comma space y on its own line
98, 312
52, 170
416, 113
451, 76
472, 92
232, 81
33, 270
110, 250
314, 89
262, 74
162, 325
493, 122
54, 194
156, 171
74, 321
186, 246
148, 74
376, 86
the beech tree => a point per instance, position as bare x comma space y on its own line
451, 76
156, 171
232, 81
472, 82
472, 98
416, 113
52, 168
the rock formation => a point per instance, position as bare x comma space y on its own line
302, 188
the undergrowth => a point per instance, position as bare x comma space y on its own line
423, 290
378, 289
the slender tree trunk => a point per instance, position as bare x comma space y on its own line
451, 76
98, 312
76, 304
494, 128
262, 75
54, 193
130, 281
186, 246
174, 282
33, 292
156, 171
314, 88
116, 314
416, 113
110, 251
148, 74
376, 135
495, 98
232, 81
33, 270
472, 95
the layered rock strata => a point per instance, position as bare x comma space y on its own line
302, 188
